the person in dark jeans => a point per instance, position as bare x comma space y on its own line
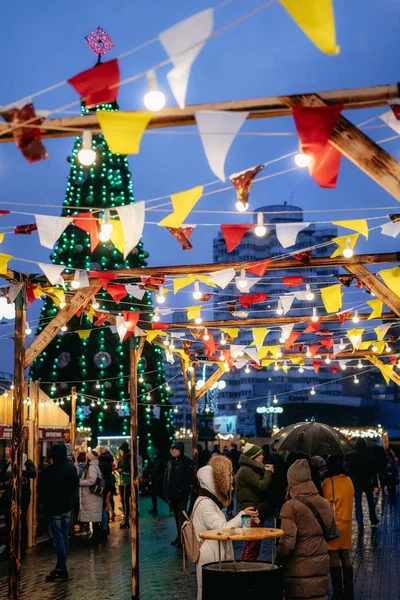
59, 482
362, 470
124, 482
106, 460
157, 481
179, 480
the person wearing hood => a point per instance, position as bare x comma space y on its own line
361, 468
124, 482
308, 522
215, 491
91, 505
253, 485
178, 483
59, 482
319, 463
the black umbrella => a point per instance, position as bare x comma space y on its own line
313, 439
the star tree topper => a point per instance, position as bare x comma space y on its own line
99, 41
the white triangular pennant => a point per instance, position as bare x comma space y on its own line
301, 295
392, 229
217, 130
132, 220
14, 290
183, 43
287, 233
391, 121
222, 278
237, 350
252, 352
135, 291
287, 302
53, 273
239, 364
382, 330
50, 229
250, 282
287, 330
139, 332
120, 325
336, 348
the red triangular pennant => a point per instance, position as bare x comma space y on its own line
249, 299
303, 257
182, 234
326, 343
259, 268
117, 291
88, 223
210, 345
102, 317
159, 325
342, 316
99, 84
292, 280
313, 326
242, 182
345, 280
233, 235
316, 365
334, 369
288, 345
315, 125
131, 319
27, 139
314, 349
396, 110
25, 229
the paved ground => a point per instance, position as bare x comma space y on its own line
104, 572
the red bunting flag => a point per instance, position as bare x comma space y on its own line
315, 125
131, 319
233, 235
182, 234
25, 229
259, 268
27, 139
211, 346
102, 317
117, 291
88, 223
4, 212
153, 280
243, 181
316, 365
345, 280
334, 369
359, 285
204, 297
396, 110
313, 326
159, 325
303, 257
292, 280
99, 84
314, 349
30, 294
326, 343
289, 343
342, 316
248, 300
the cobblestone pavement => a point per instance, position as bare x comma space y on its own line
104, 571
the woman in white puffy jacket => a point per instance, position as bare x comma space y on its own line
215, 493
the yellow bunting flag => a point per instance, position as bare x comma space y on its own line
342, 243
332, 298
90, 313
386, 370
182, 282
355, 336
184, 356
382, 330
259, 334
359, 225
123, 130
207, 279
182, 203
83, 333
273, 350
380, 346
297, 361
151, 334
233, 332
4, 258
391, 277
1, 237
317, 20
266, 362
56, 294
193, 312
117, 235
377, 306
365, 345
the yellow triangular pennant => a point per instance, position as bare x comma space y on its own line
193, 312
365, 345
391, 277
332, 298
382, 330
182, 203
56, 294
297, 361
386, 370
1, 237
151, 334
377, 306
123, 130
317, 20
355, 337
359, 225
182, 282
259, 334
4, 258
90, 313
266, 362
117, 235
341, 241
183, 355
83, 333
233, 332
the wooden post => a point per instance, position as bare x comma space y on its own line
34, 456
17, 440
375, 286
193, 403
134, 357
72, 432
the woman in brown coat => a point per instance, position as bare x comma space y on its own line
303, 550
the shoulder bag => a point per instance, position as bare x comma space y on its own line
328, 537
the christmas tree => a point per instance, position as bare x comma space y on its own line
93, 359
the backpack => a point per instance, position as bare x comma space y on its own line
190, 544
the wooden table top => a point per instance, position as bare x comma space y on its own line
241, 533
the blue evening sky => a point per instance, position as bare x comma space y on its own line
43, 44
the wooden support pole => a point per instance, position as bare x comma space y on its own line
34, 443
134, 357
209, 383
375, 286
387, 370
17, 441
54, 327
357, 147
72, 432
195, 437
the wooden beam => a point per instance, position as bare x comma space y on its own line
209, 383
375, 286
259, 108
54, 327
357, 147
389, 372
195, 437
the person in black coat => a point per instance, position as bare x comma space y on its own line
204, 456
361, 468
106, 461
178, 483
379, 455
59, 482
157, 481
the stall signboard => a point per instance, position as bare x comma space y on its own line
53, 434
226, 424
6, 432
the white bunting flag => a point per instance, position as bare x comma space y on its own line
250, 282
237, 350
14, 290
7, 311
156, 412
222, 278
301, 295
382, 330
53, 273
392, 229
183, 43
287, 233
287, 302
135, 291
50, 229
120, 325
239, 364
287, 330
217, 130
139, 332
132, 219
252, 352
83, 279
336, 348
178, 334
391, 121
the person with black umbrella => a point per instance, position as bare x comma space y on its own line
361, 468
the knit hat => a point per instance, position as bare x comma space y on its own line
318, 461
251, 450
92, 455
299, 472
179, 446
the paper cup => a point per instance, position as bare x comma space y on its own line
246, 521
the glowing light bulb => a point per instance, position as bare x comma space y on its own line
154, 99
76, 282
348, 251
359, 365
281, 340
223, 340
106, 227
148, 397
98, 385
341, 345
247, 369
275, 400
301, 369
301, 159
308, 353
53, 387
260, 230
279, 353
242, 206
12, 386
197, 293
388, 348
313, 392
276, 367
374, 348
242, 282
105, 405
356, 318
198, 320
156, 316
86, 154
314, 317
98, 402
172, 345
227, 369
28, 330
356, 380
279, 310
5, 394
239, 405
207, 408
176, 410
343, 366
92, 404
206, 337
141, 380
64, 328
309, 294
328, 360
95, 304
118, 406
62, 305
160, 297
